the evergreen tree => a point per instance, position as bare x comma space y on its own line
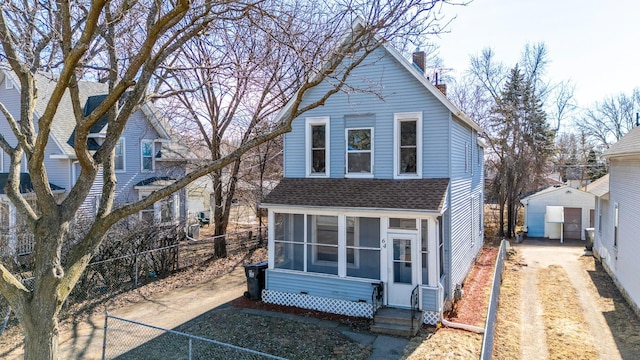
522, 142
595, 169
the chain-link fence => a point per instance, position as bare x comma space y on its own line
108, 276
127, 339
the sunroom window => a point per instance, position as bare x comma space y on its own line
289, 241
322, 235
363, 247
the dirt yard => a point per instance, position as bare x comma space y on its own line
551, 289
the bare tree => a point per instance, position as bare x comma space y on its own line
124, 43
606, 121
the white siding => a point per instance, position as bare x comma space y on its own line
623, 181
536, 204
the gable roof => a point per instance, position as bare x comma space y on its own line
91, 95
25, 183
553, 189
599, 187
627, 145
413, 70
410, 194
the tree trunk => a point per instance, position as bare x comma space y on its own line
501, 222
41, 331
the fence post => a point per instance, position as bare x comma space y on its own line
136, 277
104, 336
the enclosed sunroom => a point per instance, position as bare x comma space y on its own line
350, 246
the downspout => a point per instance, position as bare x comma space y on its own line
454, 325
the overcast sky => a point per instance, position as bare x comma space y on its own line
596, 44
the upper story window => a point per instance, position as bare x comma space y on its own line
317, 146
359, 158
407, 145
146, 149
118, 156
467, 158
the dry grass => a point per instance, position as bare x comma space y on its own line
444, 344
507, 338
623, 323
566, 329
471, 309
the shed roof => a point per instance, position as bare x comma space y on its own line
410, 194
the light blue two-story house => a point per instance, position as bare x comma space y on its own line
382, 197
145, 157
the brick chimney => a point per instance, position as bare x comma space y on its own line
420, 60
442, 88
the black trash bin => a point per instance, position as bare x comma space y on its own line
255, 279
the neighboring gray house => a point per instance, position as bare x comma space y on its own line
558, 212
380, 193
617, 222
145, 157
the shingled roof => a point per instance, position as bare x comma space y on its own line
410, 194
25, 183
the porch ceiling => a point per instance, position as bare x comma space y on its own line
410, 194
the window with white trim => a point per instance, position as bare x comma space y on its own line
616, 218
165, 211
317, 147
407, 145
359, 154
467, 157
118, 156
146, 154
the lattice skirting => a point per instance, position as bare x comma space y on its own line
431, 317
334, 306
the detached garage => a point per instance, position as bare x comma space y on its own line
558, 212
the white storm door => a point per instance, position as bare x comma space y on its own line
402, 265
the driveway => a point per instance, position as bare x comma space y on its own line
540, 254
166, 310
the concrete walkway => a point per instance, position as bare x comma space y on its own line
539, 254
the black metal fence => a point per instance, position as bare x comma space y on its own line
106, 277
490, 325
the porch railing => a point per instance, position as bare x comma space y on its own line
376, 298
414, 303
14, 242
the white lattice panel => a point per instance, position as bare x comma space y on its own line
334, 306
430, 317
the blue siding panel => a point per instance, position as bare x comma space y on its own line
322, 286
401, 93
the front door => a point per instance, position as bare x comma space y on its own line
402, 262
